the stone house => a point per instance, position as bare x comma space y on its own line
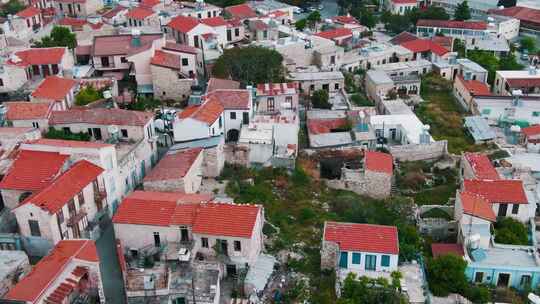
78, 8
241, 12
238, 109
465, 90
400, 7
528, 81
34, 64
261, 30
188, 30
174, 71
30, 172
477, 166
199, 121
200, 10
166, 218
213, 153
10, 140
506, 197
27, 21
227, 31
67, 208
362, 249
272, 98
56, 90
177, 171
70, 271
474, 215
141, 16
309, 81
29, 114
14, 265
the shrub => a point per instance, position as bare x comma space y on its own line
359, 100
61, 134
510, 231
87, 95
446, 274
319, 99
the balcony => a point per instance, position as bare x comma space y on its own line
75, 217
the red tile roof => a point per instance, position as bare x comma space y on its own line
335, 33
242, 11
226, 219
498, 191
423, 45
321, 126
476, 205
403, 37
139, 13
28, 12
149, 3
122, 44
166, 60
33, 170
523, 14
362, 237
182, 48
23, 110
38, 56
475, 87
101, 116
231, 99
276, 88
473, 25
531, 131
157, 209
113, 12
174, 165
53, 197
218, 83
69, 143
524, 82
48, 269
183, 24
68, 21
481, 166
378, 161
404, 1
444, 41
438, 249
346, 19
54, 88
208, 112
215, 21
258, 25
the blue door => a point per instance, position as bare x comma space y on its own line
343, 259
371, 262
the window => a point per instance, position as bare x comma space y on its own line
123, 60
236, 32
371, 262
525, 280
66, 130
1, 82
486, 111
35, 124
60, 216
312, 87
125, 132
220, 122
79, 7
356, 258
237, 246
209, 14
34, 228
336, 86
80, 197
185, 61
385, 260
270, 104
534, 114
204, 242
233, 115
515, 209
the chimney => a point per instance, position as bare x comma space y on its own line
135, 38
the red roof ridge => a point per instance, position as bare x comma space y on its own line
362, 237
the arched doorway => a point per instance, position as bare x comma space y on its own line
232, 135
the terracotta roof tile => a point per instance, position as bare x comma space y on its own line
68, 21
101, 116
231, 99
183, 24
475, 87
48, 269
33, 170
346, 20
28, 12
531, 131
335, 33
242, 11
524, 82
182, 48
481, 166
38, 56
167, 60
276, 88
58, 193
524, 14
363, 237
322, 126
476, 205
139, 13
497, 191
54, 88
218, 83
174, 165
423, 45
69, 143
113, 12
438, 249
208, 112
226, 219
402, 38
474, 25
23, 110
215, 21
122, 44
379, 161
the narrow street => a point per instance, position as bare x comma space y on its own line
111, 276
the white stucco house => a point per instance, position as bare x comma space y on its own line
199, 121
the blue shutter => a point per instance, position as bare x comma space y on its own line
343, 259
356, 258
385, 260
371, 262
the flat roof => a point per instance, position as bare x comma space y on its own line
479, 128
499, 257
389, 67
412, 126
519, 74
310, 76
379, 77
330, 139
471, 65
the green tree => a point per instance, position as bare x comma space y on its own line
61, 134
249, 65
367, 18
319, 99
446, 274
301, 24
87, 95
507, 3
11, 8
397, 23
511, 231
432, 12
529, 44
463, 12
313, 18
509, 63
367, 290
487, 60
60, 36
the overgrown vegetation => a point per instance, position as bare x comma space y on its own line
511, 231
11, 8
60, 36
493, 63
319, 99
61, 134
361, 100
443, 115
368, 290
144, 104
87, 95
399, 23
250, 65
298, 205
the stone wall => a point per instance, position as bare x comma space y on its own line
416, 152
167, 85
329, 255
213, 161
236, 154
373, 184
